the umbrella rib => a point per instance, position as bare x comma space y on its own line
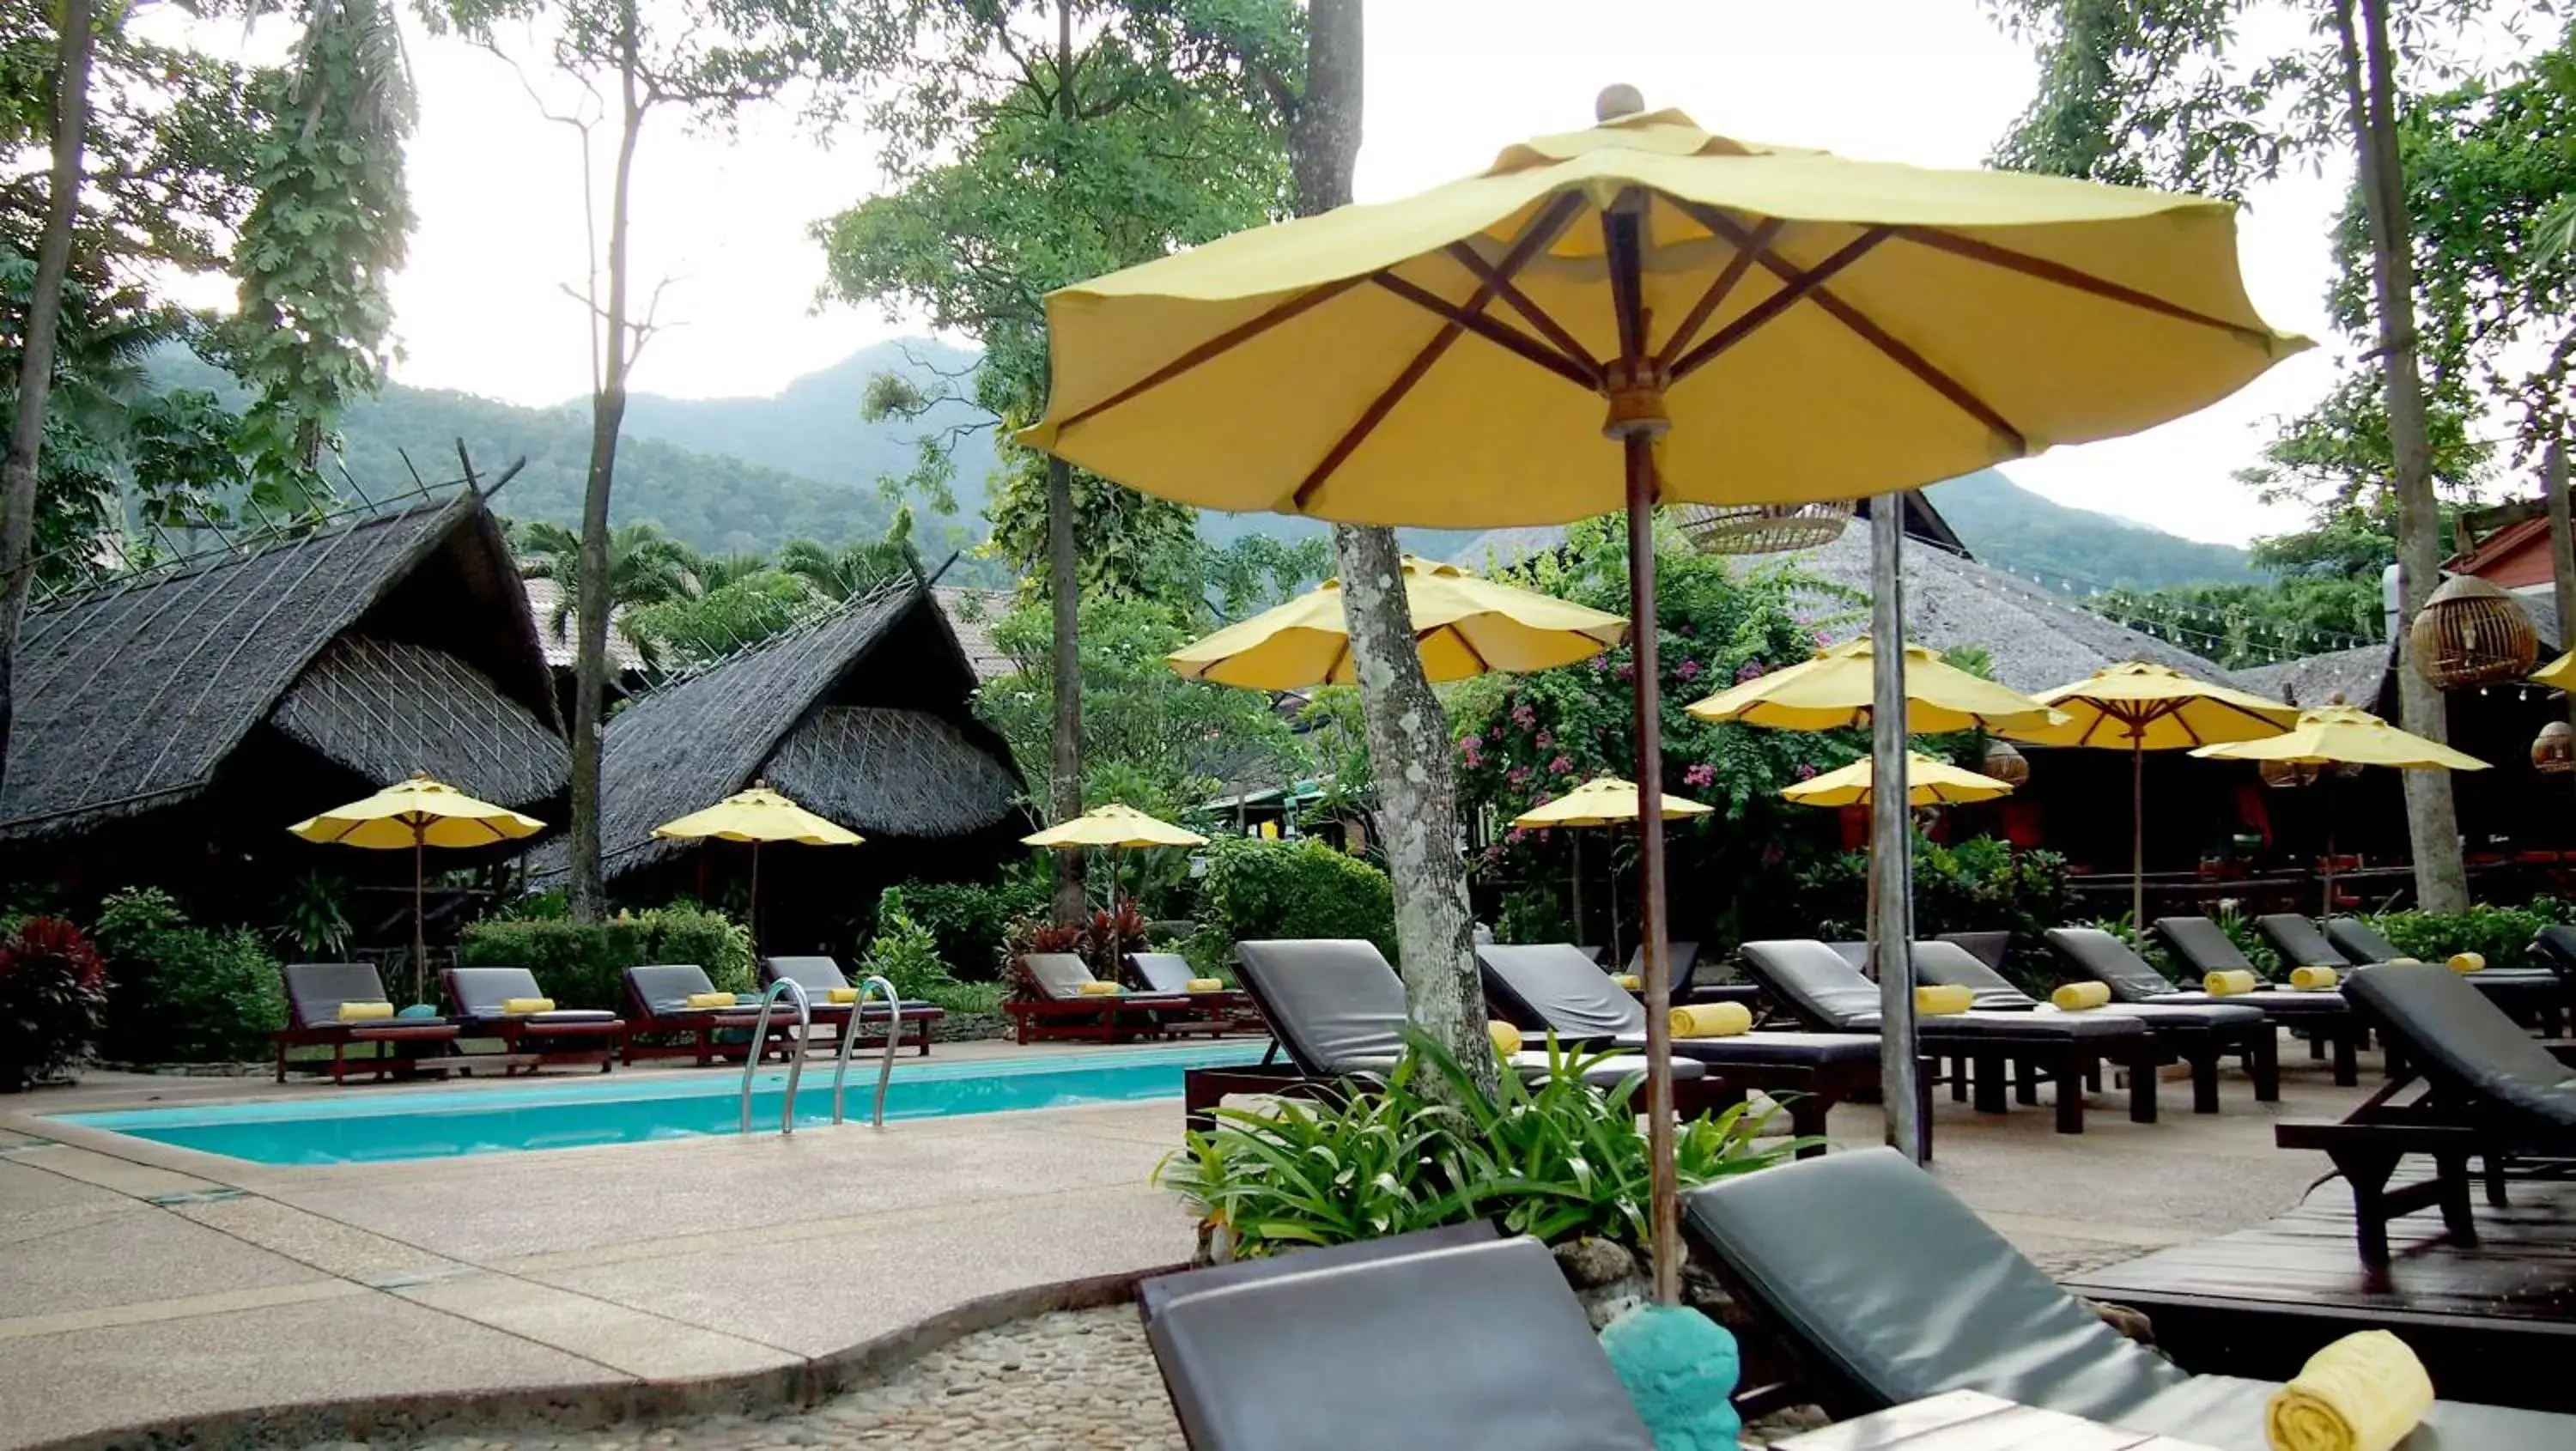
1749, 247
1221, 343
1792, 292
1582, 374
1537, 316
2080, 281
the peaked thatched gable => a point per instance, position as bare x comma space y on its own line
134, 697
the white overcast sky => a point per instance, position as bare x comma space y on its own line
480, 306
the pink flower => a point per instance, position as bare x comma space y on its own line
1562, 765
1520, 775
1524, 714
1498, 735
1804, 772
1700, 775
1687, 670
1627, 670
1750, 670
1546, 740
1516, 835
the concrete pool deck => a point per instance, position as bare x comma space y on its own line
140, 1283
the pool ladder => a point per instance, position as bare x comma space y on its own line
793, 991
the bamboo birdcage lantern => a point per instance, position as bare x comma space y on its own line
2471, 633
2004, 763
2553, 751
1762, 528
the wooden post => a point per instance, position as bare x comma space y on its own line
2137, 829
2562, 550
1891, 851
419, 930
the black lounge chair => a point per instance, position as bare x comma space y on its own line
1918, 1297
529, 1040
1215, 1011
1448, 1337
1829, 994
2534, 995
2199, 1036
821, 977
1051, 1003
1552, 988
2324, 1016
2489, 1091
1337, 1009
657, 1005
1990, 948
314, 993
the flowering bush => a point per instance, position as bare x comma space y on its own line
53, 987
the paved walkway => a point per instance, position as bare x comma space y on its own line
139, 1282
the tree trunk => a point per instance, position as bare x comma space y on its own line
36, 360
2433, 825
607, 415
2562, 550
1065, 598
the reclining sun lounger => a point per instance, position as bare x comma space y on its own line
1337, 1009
482, 996
314, 993
2324, 1016
1552, 988
2533, 995
1919, 1297
657, 1004
2199, 1036
2488, 1091
1448, 1337
1830, 994
1219, 1010
821, 977
1053, 1004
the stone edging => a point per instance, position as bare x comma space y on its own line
586, 1407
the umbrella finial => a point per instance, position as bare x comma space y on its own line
1617, 100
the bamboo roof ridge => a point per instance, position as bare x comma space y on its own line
388, 708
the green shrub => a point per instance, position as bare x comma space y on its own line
968, 920
53, 989
180, 993
1978, 885
1553, 1159
2501, 934
903, 952
1258, 890
583, 964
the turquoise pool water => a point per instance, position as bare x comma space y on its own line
628, 1109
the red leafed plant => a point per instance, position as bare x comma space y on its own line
53, 988
1109, 937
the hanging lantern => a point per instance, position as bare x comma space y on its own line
2290, 773
2004, 763
2471, 633
1762, 528
2553, 751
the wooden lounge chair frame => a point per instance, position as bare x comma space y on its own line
1217, 1012
531, 1042
912, 1020
698, 1025
1037, 1015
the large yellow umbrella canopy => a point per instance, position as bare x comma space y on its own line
2137, 707
756, 816
2558, 674
1928, 782
1833, 691
1116, 827
1463, 626
417, 814
1603, 801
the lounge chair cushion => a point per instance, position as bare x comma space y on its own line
1855, 953
2456, 1035
1554, 986
1990, 948
481, 992
1681, 959
2098, 954
317, 989
2203, 944
1060, 975
2359, 941
1164, 972
1153, 1294
666, 987
1457, 1345
1335, 1004
819, 976
1825, 990
2556, 944
2300, 943
1812, 1050
1950, 964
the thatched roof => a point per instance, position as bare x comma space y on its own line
865, 709
972, 613
2314, 680
132, 697
387, 708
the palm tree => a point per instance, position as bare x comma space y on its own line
645, 567
854, 571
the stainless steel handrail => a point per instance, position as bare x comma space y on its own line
795, 1061
850, 1035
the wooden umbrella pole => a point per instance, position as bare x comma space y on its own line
754, 910
1891, 853
1574, 834
2326, 775
2137, 835
419, 932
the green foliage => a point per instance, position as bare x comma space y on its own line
53, 989
315, 918
968, 921
583, 964
2502, 935
2238, 625
1553, 1159
1978, 885
903, 952
1258, 891
180, 993
696, 630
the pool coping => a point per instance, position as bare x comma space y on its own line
594, 1405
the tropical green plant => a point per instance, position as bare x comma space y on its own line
2502, 935
1256, 890
583, 964
904, 952
858, 568
53, 990
315, 917
968, 920
726, 620
182, 993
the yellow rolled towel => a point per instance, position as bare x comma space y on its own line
2468, 962
1098, 989
2235, 980
711, 1000
2365, 1392
1711, 1020
365, 1012
1507, 1039
2076, 997
1207, 984
1941, 1000
517, 1007
2312, 979
840, 995
1629, 981
2405, 962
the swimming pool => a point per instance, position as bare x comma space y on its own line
632, 1109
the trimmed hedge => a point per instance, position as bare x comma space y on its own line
969, 922
2501, 934
583, 964
179, 993
1257, 890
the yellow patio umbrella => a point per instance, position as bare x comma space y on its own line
1463, 626
1928, 782
1601, 801
2137, 707
1658, 315
756, 816
418, 813
1835, 690
2342, 735
1116, 827
2558, 674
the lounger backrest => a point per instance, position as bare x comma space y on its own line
2555, 946
2099, 955
1457, 1345
2203, 945
1989, 947
1554, 986
480, 991
1333, 1003
2462, 1041
1814, 981
1948, 963
315, 990
1059, 975
664, 987
1155, 1294
2361, 943
1904, 1292
2299, 942
1855, 953
1681, 959
814, 974
1164, 972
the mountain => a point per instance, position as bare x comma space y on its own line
2073, 550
